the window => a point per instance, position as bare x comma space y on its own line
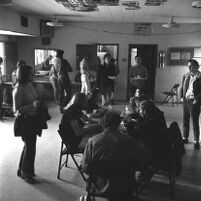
2, 54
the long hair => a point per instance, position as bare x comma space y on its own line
76, 100
24, 73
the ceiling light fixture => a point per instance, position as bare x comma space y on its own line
130, 5
154, 2
6, 3
196, 4
78, 5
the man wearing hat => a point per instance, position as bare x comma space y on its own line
61, 68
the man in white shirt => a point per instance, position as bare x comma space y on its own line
191, 95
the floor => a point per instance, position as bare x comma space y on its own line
49, 188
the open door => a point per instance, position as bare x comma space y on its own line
86, 50
149, 60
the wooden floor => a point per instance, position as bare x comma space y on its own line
13, 188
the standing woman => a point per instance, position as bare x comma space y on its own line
25, 104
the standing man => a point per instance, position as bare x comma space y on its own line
137, 75
191, 95
61, 68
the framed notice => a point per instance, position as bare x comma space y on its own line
179, 55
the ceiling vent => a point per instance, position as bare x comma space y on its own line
170, 24
196, 4
154, 2
5, 2
131, 5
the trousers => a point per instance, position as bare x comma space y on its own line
191, 111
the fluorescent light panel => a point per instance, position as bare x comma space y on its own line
13, 33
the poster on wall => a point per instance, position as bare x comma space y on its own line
179, 56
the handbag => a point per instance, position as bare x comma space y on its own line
19, 126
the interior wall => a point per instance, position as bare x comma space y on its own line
11, 21
68, 36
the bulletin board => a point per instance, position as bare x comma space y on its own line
179, 55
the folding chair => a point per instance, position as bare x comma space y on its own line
66, 150
172, 164
107, 170
171, 94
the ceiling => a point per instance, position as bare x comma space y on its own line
182, 11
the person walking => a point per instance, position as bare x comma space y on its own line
191, 97
62, 67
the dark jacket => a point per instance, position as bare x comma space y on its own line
196, 87
110, 159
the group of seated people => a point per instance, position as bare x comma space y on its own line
110, 155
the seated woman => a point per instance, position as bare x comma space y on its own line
152, 130
73, 128
93, 109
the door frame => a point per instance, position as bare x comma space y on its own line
154, 59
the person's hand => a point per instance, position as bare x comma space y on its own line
194, 102
36, 104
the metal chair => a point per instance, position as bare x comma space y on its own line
170, 95
66, 151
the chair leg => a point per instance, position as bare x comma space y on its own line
60, 160
78, 167
171, 182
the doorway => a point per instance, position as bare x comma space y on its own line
149, 60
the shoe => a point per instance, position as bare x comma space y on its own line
112, 101
185, 141
19, 173
196, 145
29, 179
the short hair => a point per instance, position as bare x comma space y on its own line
194, 62
59, 53
111, 119
1, 60
77, 100
20, 63
148, 106
106, 56
138, 56
24, 74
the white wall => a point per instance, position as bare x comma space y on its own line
10, 21
67, 37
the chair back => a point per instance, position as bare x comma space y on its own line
176, 146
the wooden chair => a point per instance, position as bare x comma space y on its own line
65, 152
170, 95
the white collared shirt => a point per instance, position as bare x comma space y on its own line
189, 93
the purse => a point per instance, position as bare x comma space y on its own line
19, 126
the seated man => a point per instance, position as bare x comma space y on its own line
151, 131
111, 158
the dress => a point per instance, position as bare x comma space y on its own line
104, 83
122, 154
191, 110
62, 67
135, 71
